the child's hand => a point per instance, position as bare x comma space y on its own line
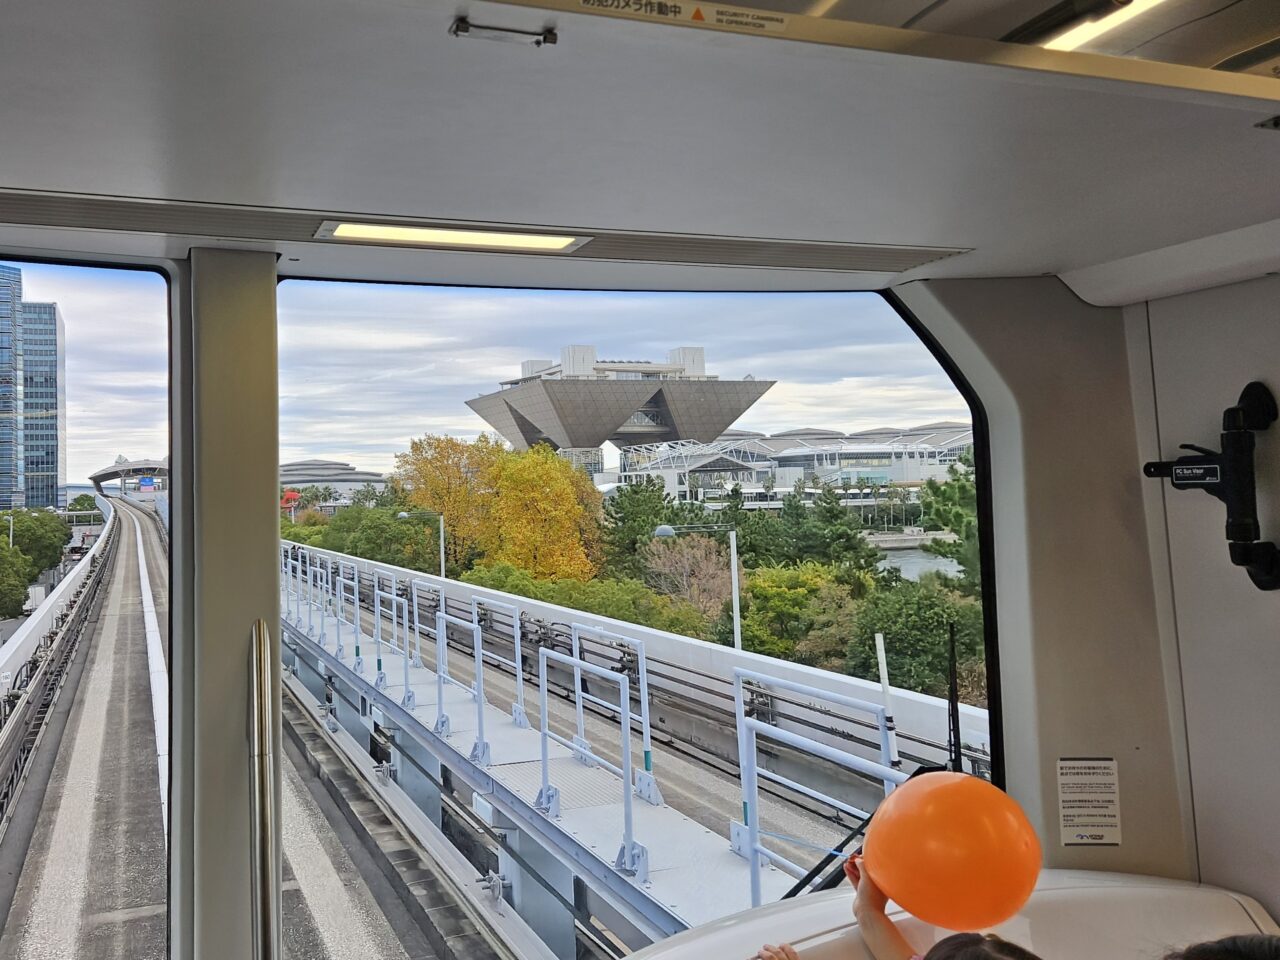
784, 952
870, 899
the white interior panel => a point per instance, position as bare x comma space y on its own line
373, 110
1204, 348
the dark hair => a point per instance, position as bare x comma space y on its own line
1255, 946
978, 946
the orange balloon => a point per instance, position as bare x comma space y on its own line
954, 851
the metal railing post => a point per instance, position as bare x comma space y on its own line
646, 784
633, 857
478, 605
409, 700
441, 728
480, 750
751, 802
581, 738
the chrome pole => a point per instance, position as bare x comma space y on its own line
264, 840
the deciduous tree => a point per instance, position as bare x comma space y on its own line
454, 477
543, 518
693, 568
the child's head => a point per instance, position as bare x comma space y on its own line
977, 946
1248, 947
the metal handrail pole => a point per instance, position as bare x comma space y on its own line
866, 706
265, 843
849, 761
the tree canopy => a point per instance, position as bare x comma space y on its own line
529, 523
83, 501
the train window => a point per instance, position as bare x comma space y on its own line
84, 597
515, 523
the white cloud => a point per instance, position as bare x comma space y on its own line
365, 367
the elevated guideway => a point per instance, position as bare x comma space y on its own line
736, 773
84, 841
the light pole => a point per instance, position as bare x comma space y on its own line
405, 515
670, 530
11, 531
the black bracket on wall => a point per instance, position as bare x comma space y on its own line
1229, 476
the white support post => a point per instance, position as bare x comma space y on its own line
733, 579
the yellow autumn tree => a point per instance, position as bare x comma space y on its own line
454, 477
546, 516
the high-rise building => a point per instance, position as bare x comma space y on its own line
12, 467
44, 405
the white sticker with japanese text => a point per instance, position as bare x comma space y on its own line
1089, 801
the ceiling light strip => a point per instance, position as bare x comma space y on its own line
1091, 30
443, 237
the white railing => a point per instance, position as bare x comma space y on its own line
920, 718
633, 857
19, 648
745, 838
646, 785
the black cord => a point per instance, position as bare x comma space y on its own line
916, 18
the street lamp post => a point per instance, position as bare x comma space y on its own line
404, 515
670, 530
10, 531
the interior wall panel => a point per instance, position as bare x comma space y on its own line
1205, 347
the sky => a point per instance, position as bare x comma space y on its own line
365, 367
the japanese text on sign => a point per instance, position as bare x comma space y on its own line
711, 15
1089, 801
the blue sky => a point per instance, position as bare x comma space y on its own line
365, 367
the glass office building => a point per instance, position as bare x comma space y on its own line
12, 466
44, 405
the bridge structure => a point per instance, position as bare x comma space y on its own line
612, 783
125, 471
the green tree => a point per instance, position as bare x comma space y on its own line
298, 533
791, 520
84, 501
336, 535
953, 505
761, 540
620, 599
365, 496
630, 517
40, 535
379, 538
14, 576
914, 620
777, 608
831, 533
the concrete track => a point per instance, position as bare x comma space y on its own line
93, 882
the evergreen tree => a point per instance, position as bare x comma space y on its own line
953, 505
